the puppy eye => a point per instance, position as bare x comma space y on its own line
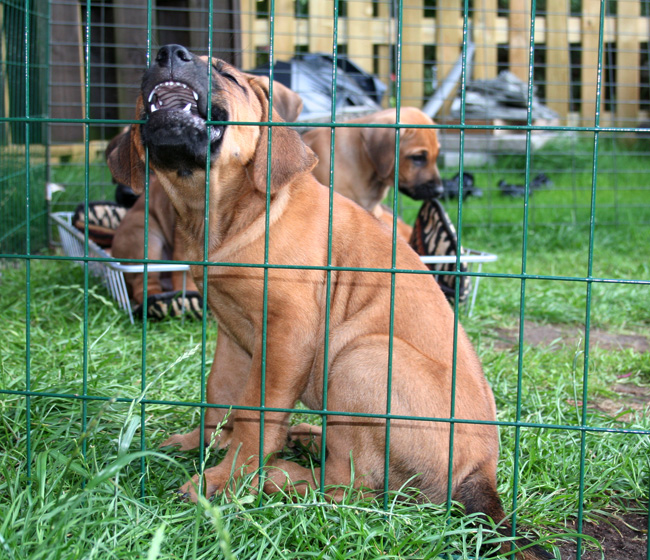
418, 159
218, 67
230, 77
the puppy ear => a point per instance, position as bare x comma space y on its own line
124, 160
290, 156
286, 102
379, 146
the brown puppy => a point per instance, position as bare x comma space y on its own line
164, 243
291, 320
364, 160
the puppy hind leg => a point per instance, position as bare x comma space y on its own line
192, 440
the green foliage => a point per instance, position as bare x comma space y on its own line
620, 186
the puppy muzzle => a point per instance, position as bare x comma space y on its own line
175, 96
424, 191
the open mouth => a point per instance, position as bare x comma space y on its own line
178, 96
173, 95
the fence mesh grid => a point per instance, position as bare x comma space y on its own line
61, 51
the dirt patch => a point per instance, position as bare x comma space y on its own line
536, 334
629, 400
622, 538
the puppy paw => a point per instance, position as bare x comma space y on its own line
189, 491
212, 483
304, 435
192, 440
184, 442
172, 304
182, 495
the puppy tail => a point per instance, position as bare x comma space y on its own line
478, 494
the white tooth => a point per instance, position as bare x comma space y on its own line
187, 107
150, 96
196, 95
153, 108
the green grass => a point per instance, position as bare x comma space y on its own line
623, 190
619, 254
72, 176
80, 494
14, 183
82, 497
622, 186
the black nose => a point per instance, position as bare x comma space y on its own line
171, 56
438, 188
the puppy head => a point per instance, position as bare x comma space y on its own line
419, 177
179, 92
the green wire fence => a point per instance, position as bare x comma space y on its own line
28, 171
24, 87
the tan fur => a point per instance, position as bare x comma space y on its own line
364, 159
358, 338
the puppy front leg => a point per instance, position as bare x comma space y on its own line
283, 387
132, 247
178, 254
225, 384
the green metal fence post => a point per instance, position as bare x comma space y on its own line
524, 267
592, 224
330, 232
28, 247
